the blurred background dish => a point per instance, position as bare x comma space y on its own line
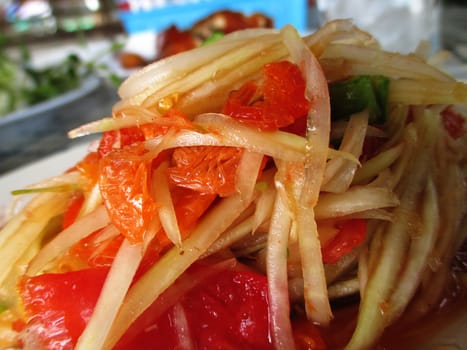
399, 25
51, 31
453, 27
36, 171
36, 132
80, 15
88, 85
157, 15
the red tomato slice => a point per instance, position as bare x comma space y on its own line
115, 139
205, 169
124, 177
233, 312
351, 234
228, 310
274, 105
298, 127
89, 169
190, 206
307, 336
127, 136
72, 211
125, 187
58, 306
119, 139
94, 250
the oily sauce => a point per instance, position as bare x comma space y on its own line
404, 333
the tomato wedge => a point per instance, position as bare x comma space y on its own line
58, 306
190, 206
277, 103
125, 187
119, 139
205, 169
95, 250
89, 169
227, 310
72, 211
351, 234
307, 336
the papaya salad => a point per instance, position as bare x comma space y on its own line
240, 194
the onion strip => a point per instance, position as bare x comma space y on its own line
415, 92
127, 117
356, 199
224, 63
68, 237
26, 228
112, 294
371, 321
157, 74
276, 267
166, 209
422, 243
340, 172
366, 60
317, 304
250, 163
374, 166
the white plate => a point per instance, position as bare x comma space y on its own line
34, 172
88, 85
458, 71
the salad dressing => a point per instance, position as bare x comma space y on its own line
404, 334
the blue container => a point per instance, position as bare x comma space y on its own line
184, 14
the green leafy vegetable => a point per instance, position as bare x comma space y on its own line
58, 188
54, 80
213, 38
356, 94
22, 84
3, 307
9, 80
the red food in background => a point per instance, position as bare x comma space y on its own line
173, 40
